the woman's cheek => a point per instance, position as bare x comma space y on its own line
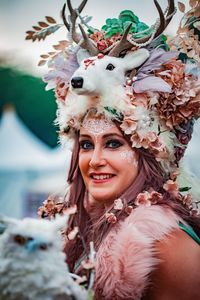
129, 156
84, 160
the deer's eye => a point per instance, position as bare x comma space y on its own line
110, 67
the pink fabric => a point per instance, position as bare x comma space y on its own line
127, 255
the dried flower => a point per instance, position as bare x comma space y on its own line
187, 200
171, 187
61, 90
118, 204
73, 233
143, 199
111, 218
129, 209
155, 197
148, 198
88, 264
183, 103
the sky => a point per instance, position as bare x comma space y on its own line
18, 16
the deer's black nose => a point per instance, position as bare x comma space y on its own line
77, 82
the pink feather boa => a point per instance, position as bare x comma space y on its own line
127, 256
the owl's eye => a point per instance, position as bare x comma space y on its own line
19, 239
43, 246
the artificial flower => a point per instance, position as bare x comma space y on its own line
182, 104
87, 264
118, 204
111, 218
148, 198
143, 199
171, 187
73, 233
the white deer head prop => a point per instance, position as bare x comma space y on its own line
96, 75
107, 70
101, 77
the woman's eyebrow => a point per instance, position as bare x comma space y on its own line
104, 136
85, 136
112, 135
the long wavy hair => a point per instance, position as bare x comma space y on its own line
95, 228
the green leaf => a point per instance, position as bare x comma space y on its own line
128, 15
109, 22
114, 112
185, 189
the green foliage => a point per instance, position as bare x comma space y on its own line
114, 112
114, 26
184, 189
35, 106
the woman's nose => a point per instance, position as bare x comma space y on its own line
97, 159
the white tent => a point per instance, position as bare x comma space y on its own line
20, 149
24, 160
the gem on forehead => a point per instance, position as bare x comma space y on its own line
97, 126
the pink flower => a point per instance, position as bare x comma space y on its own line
87, 264
111, 218
136, 140
73, 233
148, 198
187, 200
171, 187
61, 90
128, 125
155, 197
129, 209
143, 199
101, 45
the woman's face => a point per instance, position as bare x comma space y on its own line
107, 162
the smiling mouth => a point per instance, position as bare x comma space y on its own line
101, 176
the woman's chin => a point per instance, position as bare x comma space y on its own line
103, 197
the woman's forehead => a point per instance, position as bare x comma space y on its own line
99, 126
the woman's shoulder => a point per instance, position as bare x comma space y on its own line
177, 276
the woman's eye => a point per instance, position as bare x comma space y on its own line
113, 144
86, 145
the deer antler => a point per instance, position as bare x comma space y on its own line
126, 44
84, 41
122, 45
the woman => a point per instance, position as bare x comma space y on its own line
129, 135
141, 230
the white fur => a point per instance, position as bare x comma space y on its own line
28, 273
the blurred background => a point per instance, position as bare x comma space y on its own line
32, 164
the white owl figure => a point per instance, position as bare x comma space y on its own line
32, 264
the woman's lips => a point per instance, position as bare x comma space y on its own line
101, 177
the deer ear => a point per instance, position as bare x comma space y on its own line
135, 59
81, 55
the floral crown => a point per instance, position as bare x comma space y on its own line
129, 72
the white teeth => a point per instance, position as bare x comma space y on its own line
101, 177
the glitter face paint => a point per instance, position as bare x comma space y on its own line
130, 157
97, 126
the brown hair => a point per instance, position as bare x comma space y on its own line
150, 175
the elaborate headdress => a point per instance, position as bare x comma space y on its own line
130, 73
